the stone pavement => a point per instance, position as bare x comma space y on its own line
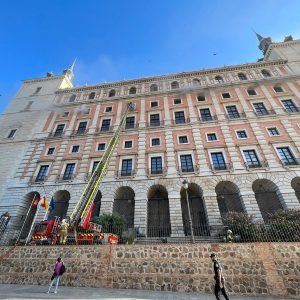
14, 291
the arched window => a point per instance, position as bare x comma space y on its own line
174, 85
132, 90
153, 88
265, 73
242, 76
92, 95
196, 82
219, 79
72, 98
112, 93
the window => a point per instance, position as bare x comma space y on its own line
278, 89
286, 156
155, 142
129, 122
273, 131
72, 98
241, 134
251, 92
38, 89
112, 93
29, 104
242, 76
95, 164
126, 169
50, 151
174, 85
289, 105
218, 161
177, 101
59, 130
179, 117
12, 133
196, 82
105, 125
265, 73
205, 114
69, 171
65, 114
153, 88
108, 109
219, 79
211, 137
42, 173
226, 95
132, 90
252, 160
260, 109
186, 163
154, 120
92, 95
101, 147
75, 149
183, 139
81, 128
232, 112
201, 98
128, 144
156, 165
154, 103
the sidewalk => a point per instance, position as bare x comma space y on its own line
14, 291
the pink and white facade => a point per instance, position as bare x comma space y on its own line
232, 132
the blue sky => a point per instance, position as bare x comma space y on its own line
116, 40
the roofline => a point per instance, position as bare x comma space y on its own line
277, 45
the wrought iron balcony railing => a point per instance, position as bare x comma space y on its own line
211, 118
155, 124
181, 121
237, 115
125, 173
186, 170
256, 165
65, 177
38, 179
79, 132
157, 172
292, 110
105, 129
56, 134
221, 167
130, 126
265, 112
290, 162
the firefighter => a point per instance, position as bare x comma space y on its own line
63, 234
229, 236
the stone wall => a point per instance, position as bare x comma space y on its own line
249, 269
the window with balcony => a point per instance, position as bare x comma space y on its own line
278, 89
251, 158
154, 104
82, 127
289, 105
75, 149
241, 134
273, 131
42, 173
101, 147
130, 122
232, 112
174, 85
12, 133
154, 120
200, 98
218, 161
179, 117
260, 109
156, 165
112, 93
92, 95
186, 163
226, 95
153, 88
155, 142
219, 79
126, 169
132, 90
105, 126
69, 171
59, 130
251, 92
183, 139
50, 151
242, 76
205, 114
265, 73
211, 137
286, 156
128, 144
108, 109
177, 101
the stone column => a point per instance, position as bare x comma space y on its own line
250, 203
175, 216
107, 204
141, 212
141, 158
95, 118
212, 208
289, 199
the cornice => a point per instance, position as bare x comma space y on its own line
279, 45
173, 76
43, 79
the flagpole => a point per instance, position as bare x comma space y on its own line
32, 224
30, 208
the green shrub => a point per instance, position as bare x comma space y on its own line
111, 223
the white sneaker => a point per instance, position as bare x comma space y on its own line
48, 292
55, 292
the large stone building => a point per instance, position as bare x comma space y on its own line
232, 132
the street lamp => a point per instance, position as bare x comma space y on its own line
185, 185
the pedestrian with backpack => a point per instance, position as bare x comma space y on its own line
59, 269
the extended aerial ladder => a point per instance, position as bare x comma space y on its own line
85, 203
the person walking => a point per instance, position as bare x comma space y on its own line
219, 279
59, 269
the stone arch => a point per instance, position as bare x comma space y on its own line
197, 210
196, 82
158, 220
61, 200
295, 183
268, 197
174, 85
132, 90
124, 204
153, 88
112, 93
229, 198
97, 205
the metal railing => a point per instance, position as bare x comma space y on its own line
292, 110
291, 162
79, 132
64, 177
38, 179
130, 127
156, 172
256, 165
211, 118
154, 124
56, 134
105, 129
181, 121
127, 173
191, 169
265, 112
222, 167
237, 115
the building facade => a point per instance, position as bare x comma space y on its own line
232, 132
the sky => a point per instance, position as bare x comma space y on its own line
124, 39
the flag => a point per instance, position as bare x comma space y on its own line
44, 202
51, 204
86, 222
36, 200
